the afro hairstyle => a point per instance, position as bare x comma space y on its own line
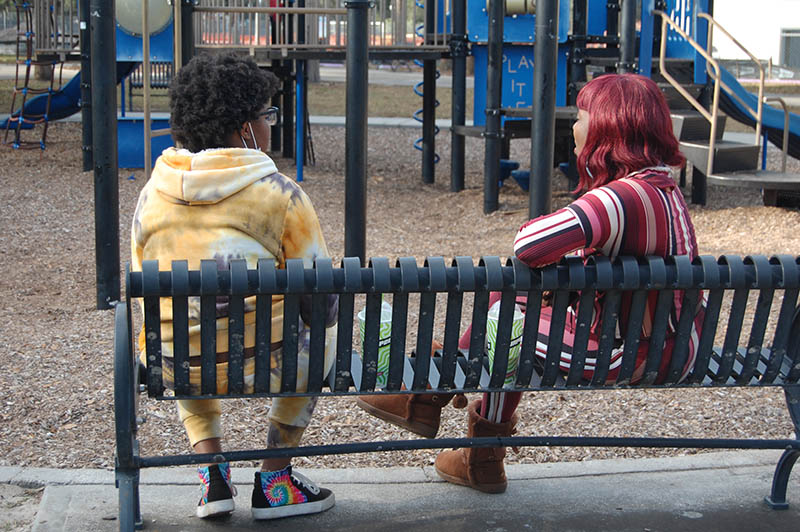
214, 95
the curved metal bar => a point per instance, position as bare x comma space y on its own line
576, 273
409, 276
381, 278
352, 273
764, 272
657, 273
466, 274
604, 271
494, 272
629, 267
323, 268
437, 274
522, 275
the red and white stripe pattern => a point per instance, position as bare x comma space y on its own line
641, 214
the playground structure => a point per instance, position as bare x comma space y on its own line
569, 41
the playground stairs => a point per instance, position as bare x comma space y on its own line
735, 163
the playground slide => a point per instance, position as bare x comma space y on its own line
64, 102
772, 115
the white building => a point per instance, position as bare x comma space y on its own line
767, 28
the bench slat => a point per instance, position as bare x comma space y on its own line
477, 339
208, 325
452, 332
732, 334
608, 329
530, 335
638, 308
397, 348
683, 335
503, 339
344, 344
238, 288
555, 336
152, 327
427, 312
655, 348
582, 334
180, 326
756, 339
707, 334
369, 349
267, 283
316, 361
290, 348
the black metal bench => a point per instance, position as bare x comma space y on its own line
728, 282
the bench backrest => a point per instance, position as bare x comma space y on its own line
770, 356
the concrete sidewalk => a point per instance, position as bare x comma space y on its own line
721, 491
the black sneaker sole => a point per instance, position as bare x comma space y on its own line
290, 510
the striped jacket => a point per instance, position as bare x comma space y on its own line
641, 214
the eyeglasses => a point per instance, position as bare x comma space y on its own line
271, 115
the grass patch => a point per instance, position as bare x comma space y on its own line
329, 99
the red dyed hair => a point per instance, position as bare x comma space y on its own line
629, 129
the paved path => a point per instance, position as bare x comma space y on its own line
707, 492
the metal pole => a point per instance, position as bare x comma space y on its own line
300, 113
458, 49
355, 201
187, 31
494, 80
288, 105
104, 148
148, 147
576, 66
86, 86
429, 99
300, 84
627, 38
429, 121
543, 124
177, 44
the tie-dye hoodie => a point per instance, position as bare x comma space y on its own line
224, 204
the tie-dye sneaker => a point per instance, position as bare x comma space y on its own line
217, 492
284, 493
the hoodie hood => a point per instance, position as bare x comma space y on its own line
209, 176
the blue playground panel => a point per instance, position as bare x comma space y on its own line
129, 47
516, 28
517, 58
517, 78
130, 145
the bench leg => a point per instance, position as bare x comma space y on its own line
777, 498
130, 517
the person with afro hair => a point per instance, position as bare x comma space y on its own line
217, 195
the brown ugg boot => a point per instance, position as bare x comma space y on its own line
419, 413
480, 469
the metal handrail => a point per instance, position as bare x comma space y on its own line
712, 116
272, 10
712, 24
785, 147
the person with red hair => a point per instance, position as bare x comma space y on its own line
630, 206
